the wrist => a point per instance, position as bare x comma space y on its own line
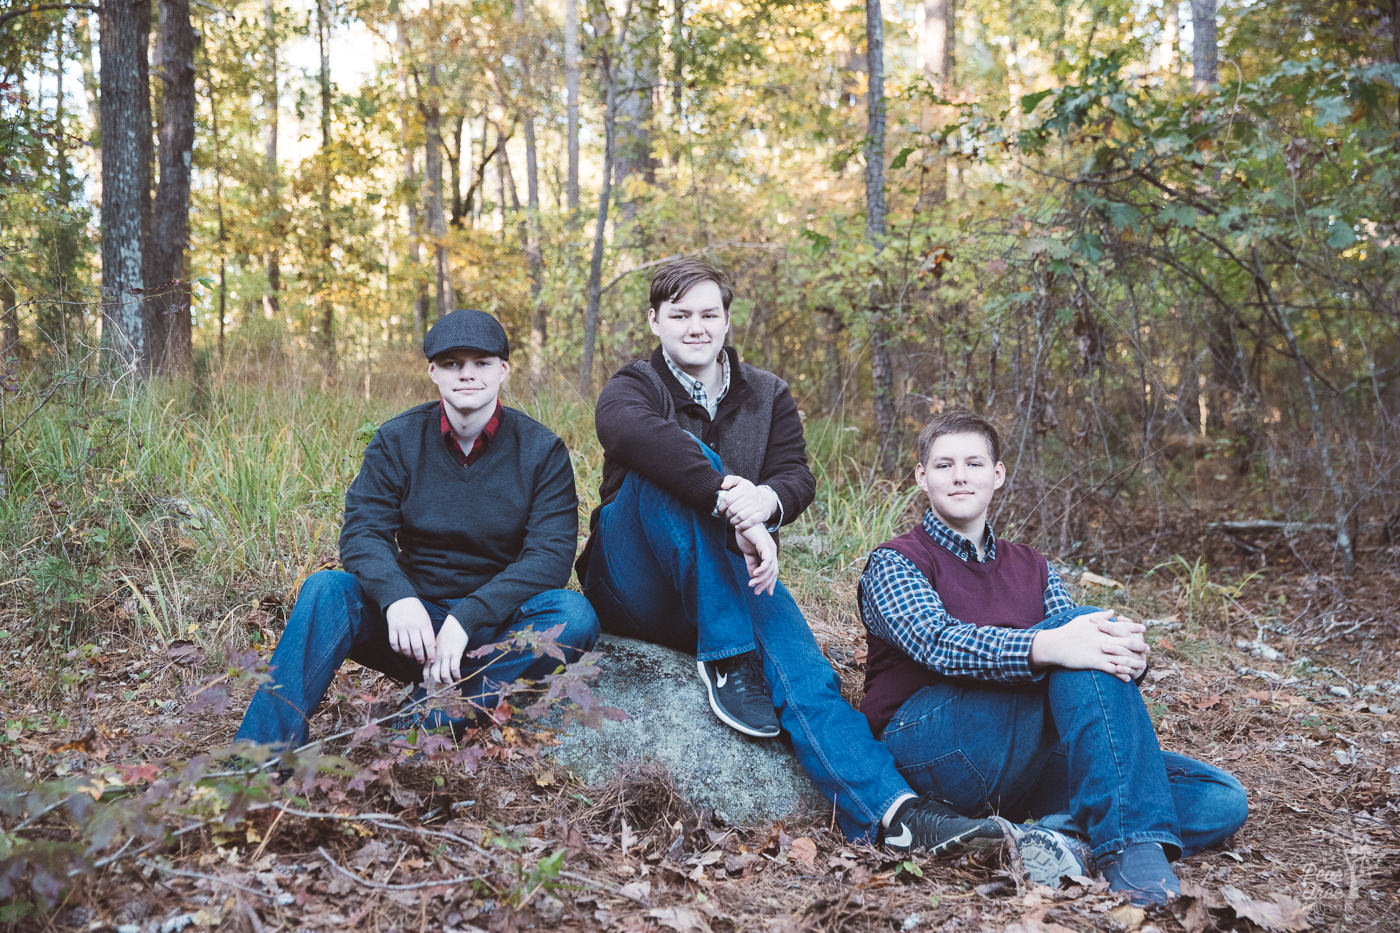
1043, 649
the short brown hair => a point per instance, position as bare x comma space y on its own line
673, 279
958, 422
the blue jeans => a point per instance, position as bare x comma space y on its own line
661, 571
331, 622
1075, 750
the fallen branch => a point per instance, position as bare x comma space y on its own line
1263, 524
198, 876
386, 886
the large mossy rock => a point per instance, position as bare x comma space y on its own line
744, 780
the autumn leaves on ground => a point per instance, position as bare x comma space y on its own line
129, 613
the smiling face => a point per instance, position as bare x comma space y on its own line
959, 477
692, 327
469, 380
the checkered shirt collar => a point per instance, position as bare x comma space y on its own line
955, 543
695, 388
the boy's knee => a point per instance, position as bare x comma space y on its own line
327, 601
1060, 618
325, 583
1231, 804
580, 621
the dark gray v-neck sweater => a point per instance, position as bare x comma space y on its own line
482, 539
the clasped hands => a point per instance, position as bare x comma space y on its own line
748, 507
411, 635
1099, 641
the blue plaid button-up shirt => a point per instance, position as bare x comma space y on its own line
900, 606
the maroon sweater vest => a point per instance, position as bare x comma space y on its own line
1008, 590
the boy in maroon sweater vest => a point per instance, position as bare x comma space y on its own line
995, 692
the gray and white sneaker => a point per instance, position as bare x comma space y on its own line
1048, 855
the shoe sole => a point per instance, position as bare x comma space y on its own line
1047, 859
724, 717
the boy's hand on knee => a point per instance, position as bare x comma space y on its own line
743, 504
760, 556
1095, 641
451, 643
410, 629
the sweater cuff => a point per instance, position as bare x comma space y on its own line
392, 592
702, 495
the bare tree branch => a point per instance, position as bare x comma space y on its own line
43, 8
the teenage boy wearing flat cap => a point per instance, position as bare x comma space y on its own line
459, 530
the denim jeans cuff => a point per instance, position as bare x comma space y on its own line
723, 653
1169, 842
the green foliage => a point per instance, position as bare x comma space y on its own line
182, 502
1201, 599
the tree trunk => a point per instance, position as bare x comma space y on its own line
1205, 64
126, 181
323, 36
411, 182
832, 331
219, 214
169, 305
272, 256
9, 324
470, 199
638, 66
88, 29
1170, 50
1341, 504
571, 93
539, 312
881, 372
54, 309
432, 168
534, 256
595, 264
936, 38
1015, 90
457, 214
677, 80
502, 173
1395, 36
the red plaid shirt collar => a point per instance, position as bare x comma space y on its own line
479, 445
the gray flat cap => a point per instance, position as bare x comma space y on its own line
466, 329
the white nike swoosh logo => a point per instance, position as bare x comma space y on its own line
721, 680
903, 839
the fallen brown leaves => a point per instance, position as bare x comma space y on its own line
516, 845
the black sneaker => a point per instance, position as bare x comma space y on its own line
739, 694
930, 824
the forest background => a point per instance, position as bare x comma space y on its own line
1156, 241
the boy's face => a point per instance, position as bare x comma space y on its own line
959, 478
469, 380
692, 327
